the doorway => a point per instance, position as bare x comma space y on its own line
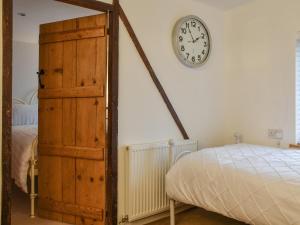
111, 168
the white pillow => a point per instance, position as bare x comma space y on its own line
23, 114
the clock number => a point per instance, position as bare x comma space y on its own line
203, 52
182, 48
187, 55
180, 38
183, 30
193, 24
199, 28
202, 35
205, 44
187, 25
193, 59
199, 57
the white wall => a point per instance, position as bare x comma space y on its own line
197, 94
25, 66
260, 69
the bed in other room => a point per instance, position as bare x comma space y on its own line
24, 145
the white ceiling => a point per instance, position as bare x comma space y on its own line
224, 4
37, 12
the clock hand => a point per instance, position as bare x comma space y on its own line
191, 35
197, 39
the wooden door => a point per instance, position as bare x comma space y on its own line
72, 120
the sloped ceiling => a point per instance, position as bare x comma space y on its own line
224, 4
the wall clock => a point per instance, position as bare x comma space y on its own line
191, 41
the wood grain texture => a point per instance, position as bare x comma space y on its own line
71, 35
72, 134
77, 92
71, 209
294, 146
112, 135
90, 183
68, 186
152, 73
6, 110
72, 152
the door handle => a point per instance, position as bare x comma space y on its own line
40, 73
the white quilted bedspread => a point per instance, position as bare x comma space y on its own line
254, 184
23, 138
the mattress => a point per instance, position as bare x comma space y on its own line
254, 184
23, 141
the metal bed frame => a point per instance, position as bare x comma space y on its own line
173, 160
33, 170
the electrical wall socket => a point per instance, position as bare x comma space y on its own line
275, 134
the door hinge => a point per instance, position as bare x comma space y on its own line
124, 219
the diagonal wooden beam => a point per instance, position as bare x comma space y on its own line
151, 72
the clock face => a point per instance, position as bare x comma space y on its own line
191, 41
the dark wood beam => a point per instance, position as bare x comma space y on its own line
113, 87
6, 111
152, 73
90, 4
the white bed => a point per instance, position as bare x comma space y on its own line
24, 142
253, 184
24, 145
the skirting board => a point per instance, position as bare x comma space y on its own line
160, 216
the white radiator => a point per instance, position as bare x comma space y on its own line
147, 165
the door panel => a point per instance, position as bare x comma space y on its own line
90, 122
50, 129
90, 179
68, 186
70, 62
72, 121
50, 187
53, 76
91, 22
69, 121
87, 51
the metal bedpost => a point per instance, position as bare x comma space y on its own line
33, 193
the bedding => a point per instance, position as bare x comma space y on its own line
254, 184
24, 114
24, 139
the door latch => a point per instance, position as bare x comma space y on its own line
40, 73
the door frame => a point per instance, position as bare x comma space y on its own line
113, 87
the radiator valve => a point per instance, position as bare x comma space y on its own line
124, 219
